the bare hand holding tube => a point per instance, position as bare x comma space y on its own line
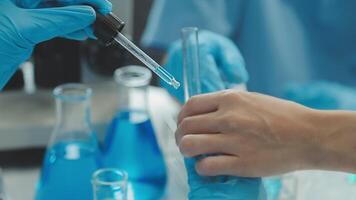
249, 134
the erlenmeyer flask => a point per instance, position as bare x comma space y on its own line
72, 153
131, 143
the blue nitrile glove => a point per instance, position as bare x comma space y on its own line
322, 95
25, 23
221, 64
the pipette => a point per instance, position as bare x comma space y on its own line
107, 28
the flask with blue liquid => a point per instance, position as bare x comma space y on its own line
72, 154
131, 143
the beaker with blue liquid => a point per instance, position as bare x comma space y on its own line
131, 144
72, 154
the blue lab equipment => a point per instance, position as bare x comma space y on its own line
219, 187
72, 155
25, 23
130, 143
223, 64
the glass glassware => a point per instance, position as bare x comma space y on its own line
191, 65
218, 187
109, 184
72, 153
130, 143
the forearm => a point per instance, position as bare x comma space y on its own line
336, 141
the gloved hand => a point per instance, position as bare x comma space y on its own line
221, 64
322, 95
25, 23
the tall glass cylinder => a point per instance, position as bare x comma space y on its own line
110, 184
130, 143
72, 153
191, 66
219, 187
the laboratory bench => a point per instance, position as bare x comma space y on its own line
26, 122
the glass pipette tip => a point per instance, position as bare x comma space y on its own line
148, 61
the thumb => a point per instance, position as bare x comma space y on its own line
48, 23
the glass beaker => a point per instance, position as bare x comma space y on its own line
130, 143
109, 184
72, 153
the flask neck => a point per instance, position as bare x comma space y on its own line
132, 98
73, 113
132, 84
73, 116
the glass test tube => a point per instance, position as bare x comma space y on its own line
192, 87
109, 184
191, 67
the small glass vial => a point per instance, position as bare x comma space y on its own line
109, 184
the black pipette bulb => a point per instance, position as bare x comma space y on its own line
106, 27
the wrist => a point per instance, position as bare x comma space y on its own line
309, 146
333, 148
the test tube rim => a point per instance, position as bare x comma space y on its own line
121, 173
